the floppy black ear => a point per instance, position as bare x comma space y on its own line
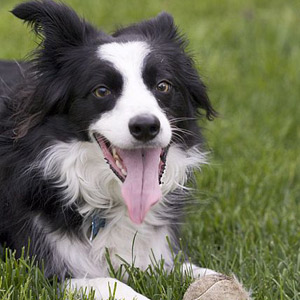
200, 98
59, 25
62, 33
164, 27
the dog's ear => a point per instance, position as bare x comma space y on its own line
161, 27
157, 29
62, 32
199, 96
58, 25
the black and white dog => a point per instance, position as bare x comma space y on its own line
98, 136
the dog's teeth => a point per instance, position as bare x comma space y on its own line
115, 154
124, 172
118, 164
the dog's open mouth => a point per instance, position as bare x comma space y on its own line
140, 170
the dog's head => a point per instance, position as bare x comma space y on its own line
134, 93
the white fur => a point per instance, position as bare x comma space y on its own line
122, 239
128, 59
104, 288
179, 165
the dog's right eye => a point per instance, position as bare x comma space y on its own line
101, 92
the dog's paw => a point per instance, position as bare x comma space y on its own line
216, 287
107, 288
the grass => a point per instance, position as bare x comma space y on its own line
247, 220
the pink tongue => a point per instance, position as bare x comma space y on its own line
140, 189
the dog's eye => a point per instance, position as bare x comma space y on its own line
101, 92
164, 87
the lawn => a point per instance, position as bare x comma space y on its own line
246, 218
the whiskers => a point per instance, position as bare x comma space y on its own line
182, 119
180, 134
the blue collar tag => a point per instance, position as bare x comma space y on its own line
97, 224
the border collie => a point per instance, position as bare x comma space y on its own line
98, 136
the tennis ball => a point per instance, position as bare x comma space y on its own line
216, 287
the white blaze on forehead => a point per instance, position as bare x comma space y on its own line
128, 58
136, 98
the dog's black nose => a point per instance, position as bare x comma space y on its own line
144, 127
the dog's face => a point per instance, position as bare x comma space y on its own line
133, 94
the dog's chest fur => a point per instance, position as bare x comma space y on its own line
80, 170
119, 240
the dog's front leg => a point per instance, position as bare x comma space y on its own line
104, 288
196, 271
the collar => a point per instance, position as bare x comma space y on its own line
97, 224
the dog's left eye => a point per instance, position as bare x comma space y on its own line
101, 92
164, 87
